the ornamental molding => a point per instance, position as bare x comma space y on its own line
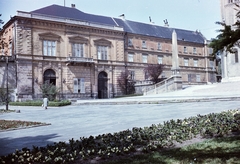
103, 42
78, 39
49, 36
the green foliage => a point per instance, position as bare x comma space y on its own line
39, 103
123, 143
228, 37
49, 91
126, 83
154, 71
3, 94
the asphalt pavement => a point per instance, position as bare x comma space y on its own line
93, 117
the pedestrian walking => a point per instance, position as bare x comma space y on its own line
45, 103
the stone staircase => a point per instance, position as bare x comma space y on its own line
172, 83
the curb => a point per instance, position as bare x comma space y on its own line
158, 101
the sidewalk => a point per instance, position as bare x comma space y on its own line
210, 92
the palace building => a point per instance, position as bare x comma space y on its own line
230, 61
84, 54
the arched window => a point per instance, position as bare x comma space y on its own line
49, 77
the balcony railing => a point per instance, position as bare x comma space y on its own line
79, 59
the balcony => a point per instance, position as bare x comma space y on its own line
70, 60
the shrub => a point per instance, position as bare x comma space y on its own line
49, 91
3, 94
39, 103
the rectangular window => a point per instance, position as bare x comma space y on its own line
130, 57
236, 57
130, 42
159, 46
102, 52
194, 50
198, 78
144, 58
211, 65
195, 62
185, 49
160, 59
77, 50
146, 75
210, 50
10, 48
132, 75
78, 85
144, 45
49, 48
185, 62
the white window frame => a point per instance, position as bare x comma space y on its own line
194, 50
144, 44
10, 49
102, 52
49, 48
78, 85
185, 49
160, 59
186, 62
78, 50
195, 62
144, 58
159, 46
130, 57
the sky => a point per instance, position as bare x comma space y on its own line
183, 14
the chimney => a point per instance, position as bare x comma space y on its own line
73, 5
122, 16
166, 23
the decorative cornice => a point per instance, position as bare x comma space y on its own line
49, 36
103, 42
78, 39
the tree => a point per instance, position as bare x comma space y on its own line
126, 83
228, 38
1, 22
49, 91
154, 71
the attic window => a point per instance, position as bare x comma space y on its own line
130, 42
144, 45
185, 49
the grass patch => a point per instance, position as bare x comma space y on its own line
6, 111
39, 103
224, 150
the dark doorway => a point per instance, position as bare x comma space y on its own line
49, 77
102, 85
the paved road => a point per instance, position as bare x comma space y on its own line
85, 120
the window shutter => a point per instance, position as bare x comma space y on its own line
82, 89
75, 85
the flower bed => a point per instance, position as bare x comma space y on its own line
144, 140
17, 124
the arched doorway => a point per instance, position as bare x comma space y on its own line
49, 77
102, 85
